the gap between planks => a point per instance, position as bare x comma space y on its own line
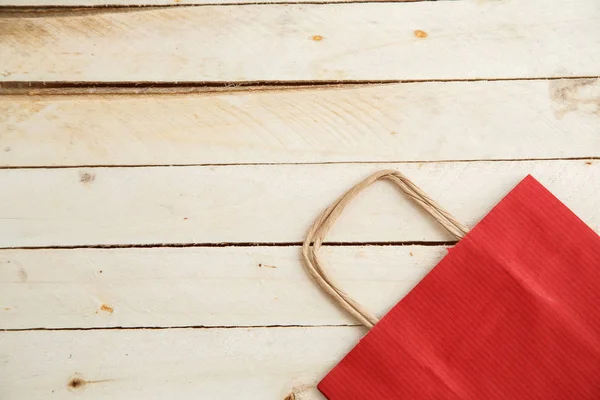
61, 88
33, 11
584, 158
162, 328
86, 7
233, 244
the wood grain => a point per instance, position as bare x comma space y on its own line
408, 122
231, 286
244, 364
263, 203
391, 41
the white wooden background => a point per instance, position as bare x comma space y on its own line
160, 165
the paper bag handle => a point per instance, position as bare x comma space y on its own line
318, 231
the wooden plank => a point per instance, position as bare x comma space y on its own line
166, 287
392, 41
416, 121
228, 364
262, 203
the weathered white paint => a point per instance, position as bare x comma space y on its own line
400, 122
226, 286
263, 203
240, 364
237, 286
465, 39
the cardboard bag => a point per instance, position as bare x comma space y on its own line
512, 312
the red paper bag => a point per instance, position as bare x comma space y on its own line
512, 312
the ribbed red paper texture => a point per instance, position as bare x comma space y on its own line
512, 312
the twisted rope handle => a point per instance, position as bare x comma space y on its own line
318, 231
